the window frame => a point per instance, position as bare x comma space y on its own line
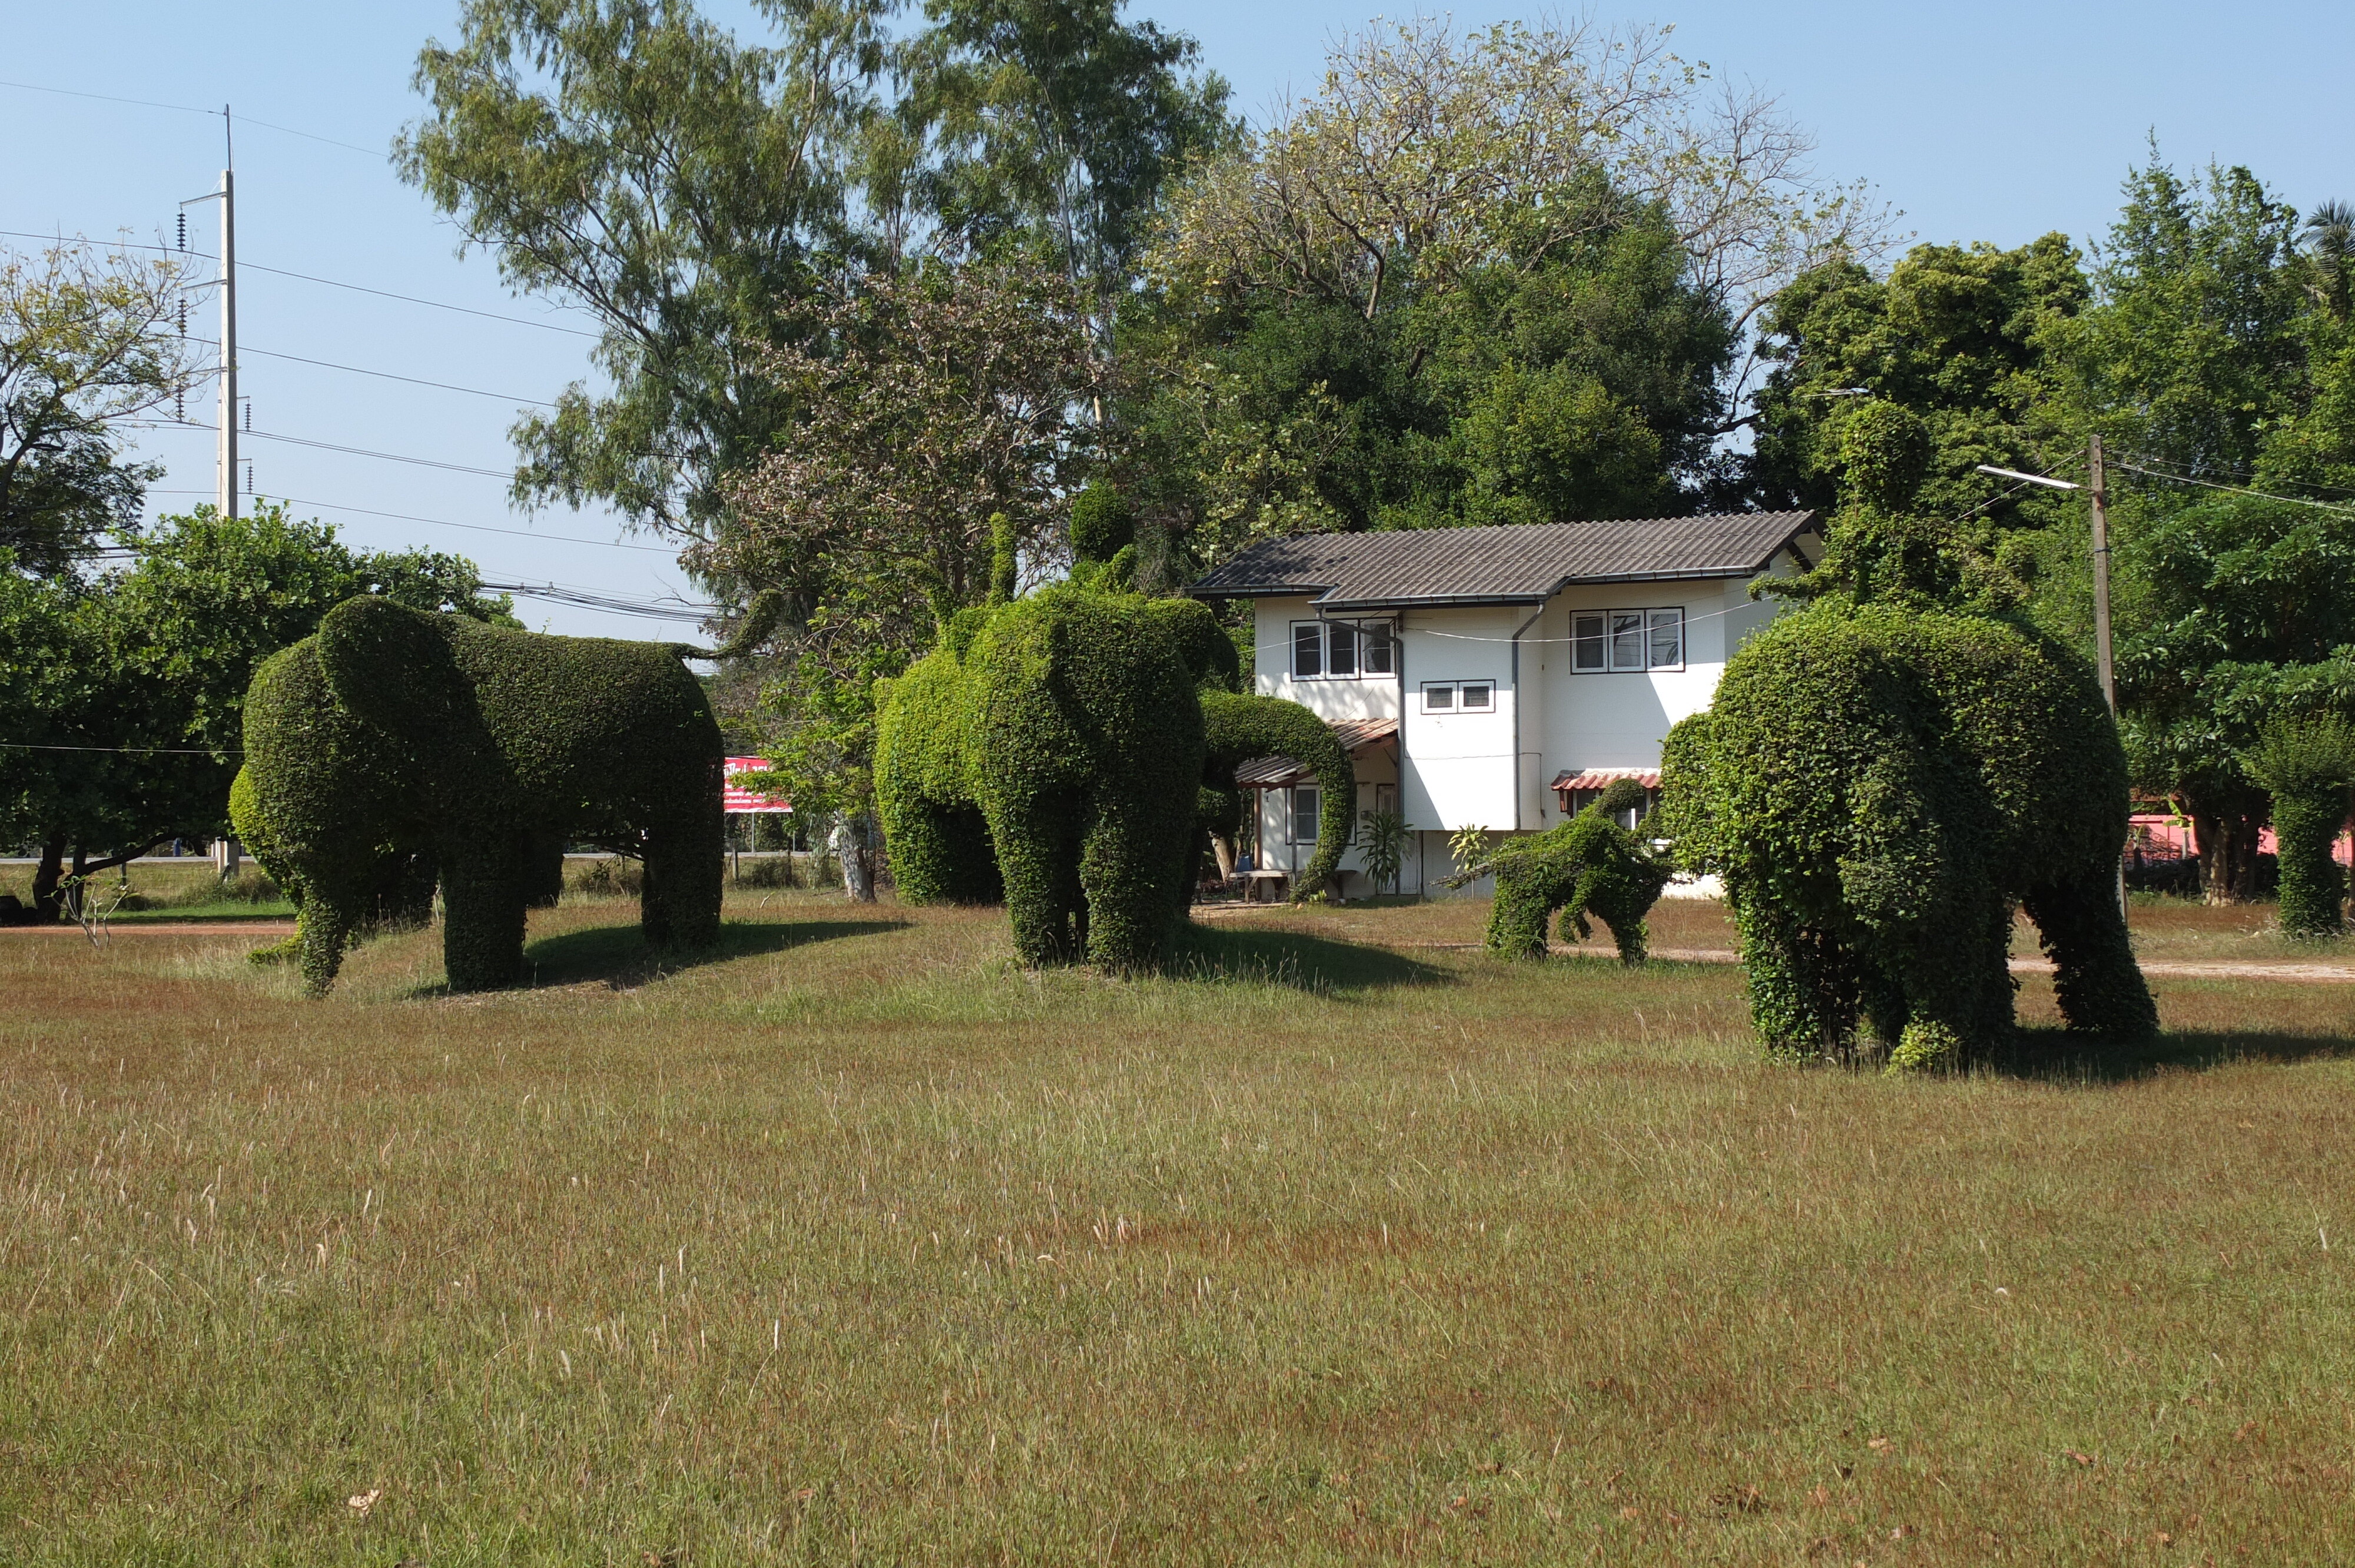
1464, 699
1292, 794
1363, 637
1599, 633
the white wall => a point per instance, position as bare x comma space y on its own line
1330, 697
1458, 766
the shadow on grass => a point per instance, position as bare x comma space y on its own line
2050, 1055
1298, 962
619, 956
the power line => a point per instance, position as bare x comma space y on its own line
583, 599
388, 376
308, 278
443, 522
2338, 509
192, 109
388, 457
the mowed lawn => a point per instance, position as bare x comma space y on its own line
858, 1244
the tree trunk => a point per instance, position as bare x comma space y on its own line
47, 905
2228, 854
857, 861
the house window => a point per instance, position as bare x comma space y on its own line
1459, 696
1586, 640
1341, 644
1304, 803
1626, 641
1343, 649
1577, 800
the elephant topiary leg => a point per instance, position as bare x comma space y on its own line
1803, 983
2096, 979
324, 929
1125, 865
545, 870
1957, 986
685, 874
1037, 848
1526, 896
483, 883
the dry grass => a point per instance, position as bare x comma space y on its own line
861, 1244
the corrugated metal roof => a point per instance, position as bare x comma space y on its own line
1275, 772
1523, 564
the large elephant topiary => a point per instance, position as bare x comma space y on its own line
1051, 749
393, 734
1880, 788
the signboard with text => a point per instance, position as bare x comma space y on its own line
733, 799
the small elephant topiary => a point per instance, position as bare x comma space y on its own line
394, 735
1880, 788
1589, 865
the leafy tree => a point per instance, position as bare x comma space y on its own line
84, 342
127, 689
1056, 128
1487, 278
689, 192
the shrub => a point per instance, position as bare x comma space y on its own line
615, 876
1877, 787
392, 735
1241, 725
1587, 866
2308, 766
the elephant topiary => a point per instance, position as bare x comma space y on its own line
392, 735
1052, 749
1242, 725
1587, 866
1880, 788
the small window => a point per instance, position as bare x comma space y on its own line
1304, 813
1439, 697
1307, 651
1342, 648
1385, 799
1628, 651
1586, 642
1479, 696
1378, 653
1668, 640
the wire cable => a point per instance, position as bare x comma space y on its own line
192, 109
2337, 508
308, 278
444, 523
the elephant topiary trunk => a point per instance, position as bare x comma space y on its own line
394, 735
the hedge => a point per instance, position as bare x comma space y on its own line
1879, 787
1241, 726
393, 730
1587, 866
2308, 766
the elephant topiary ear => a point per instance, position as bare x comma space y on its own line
392, 666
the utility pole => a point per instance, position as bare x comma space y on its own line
2101, 575
228, 343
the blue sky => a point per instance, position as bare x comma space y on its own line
1995, 121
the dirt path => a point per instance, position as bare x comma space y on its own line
2217, 969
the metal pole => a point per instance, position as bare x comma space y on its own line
2102, 577
227, 443
2101, 607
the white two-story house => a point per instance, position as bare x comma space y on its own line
1494, 677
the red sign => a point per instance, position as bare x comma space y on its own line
731, 798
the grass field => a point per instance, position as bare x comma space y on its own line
857, 1244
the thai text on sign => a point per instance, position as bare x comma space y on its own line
733, 799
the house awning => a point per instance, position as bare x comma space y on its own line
1604, 778
1283, 772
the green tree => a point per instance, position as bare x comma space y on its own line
690, 194
85, 341
127, 689
1494, 277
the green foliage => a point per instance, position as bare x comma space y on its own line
2309, 766
1381, 847
1468, 846
147, 669
1877, 787
1103, 523
393, 731
85, 342
1589, 865
928, 799
1242, 725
